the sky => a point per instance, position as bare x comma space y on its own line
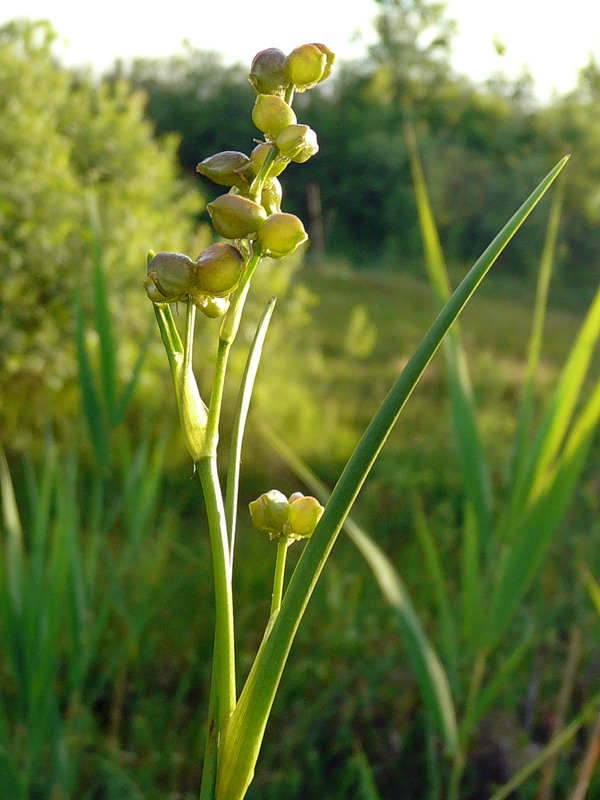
552, 46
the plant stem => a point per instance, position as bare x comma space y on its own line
283, 543
224, 632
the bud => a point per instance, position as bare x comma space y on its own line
170, 277
281, 234
305, 512
271, 114
270, 512
258, 155
228, 168
269, 72
211, 306
218, 269
297, 142
235, 217
271, 196
307, 65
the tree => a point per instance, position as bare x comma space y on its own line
66, 142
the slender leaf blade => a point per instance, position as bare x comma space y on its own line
243, 736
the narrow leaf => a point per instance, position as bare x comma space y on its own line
243, 736
469, 448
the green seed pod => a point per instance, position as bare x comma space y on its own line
330, 60
270, 512
211, 306
271, 196
218, 270
271, 114
281, 234
269, 72
297, 142
305, 512
170, 277
307, 64
228, 168
235, 217
258, 155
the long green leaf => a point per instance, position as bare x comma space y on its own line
433, 567
242, 738
103, 321
93, 410
524, 555
535, 340
554, 746
557, 419
469, 448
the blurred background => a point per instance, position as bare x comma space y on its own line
106, 614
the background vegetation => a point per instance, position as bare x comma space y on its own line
105, 618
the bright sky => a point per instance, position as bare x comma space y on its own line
554, 46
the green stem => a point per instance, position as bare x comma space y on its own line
209, 765
216, 398
283, 543
224, 633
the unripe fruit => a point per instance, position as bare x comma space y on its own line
270, 512
307, 64
271, 114
211, 306
170, 277
305, 512
297, 142
269, 72
281, 234
271, 196
258, 155
228, 168
330, 60
218, 269
235, 217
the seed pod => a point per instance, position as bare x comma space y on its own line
271, 114
170, 277
218, 270
305, 512
269, 72
270, 512
307, 64
297, 142
258, 155
271, 196
228, 168
281, 234
211, 306
330, 60
235, 217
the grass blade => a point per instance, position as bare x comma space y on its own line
469, 448
243, 736
535, 340
531, 538
555, 745
556, 421
108, 354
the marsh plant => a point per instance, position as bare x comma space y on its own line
212, 288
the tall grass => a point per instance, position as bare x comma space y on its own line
82, 552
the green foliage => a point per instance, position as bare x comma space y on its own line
65, 140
